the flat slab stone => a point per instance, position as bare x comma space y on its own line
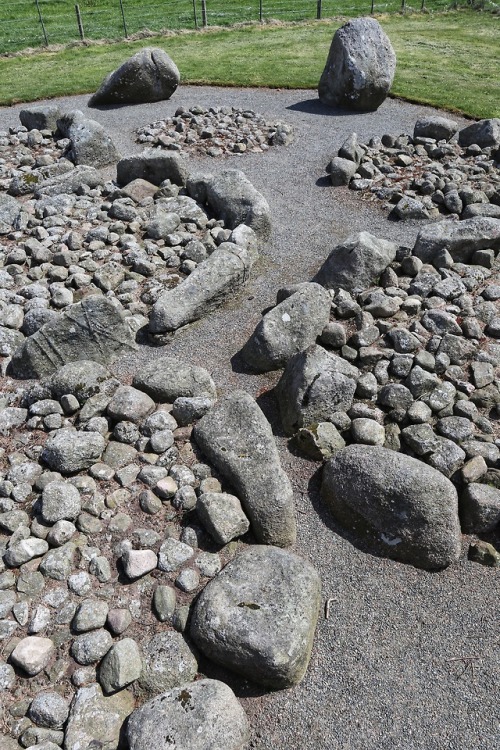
238, 440
199, 715
257, 617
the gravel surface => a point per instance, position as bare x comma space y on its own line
388, 668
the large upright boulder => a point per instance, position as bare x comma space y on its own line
356, 263
396, 502
233, 198
90, 144
238, 440
315, 384
92, 329
360, 67
257, 617
460, 239
148, 76
290, 327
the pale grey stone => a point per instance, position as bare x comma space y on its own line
68, 451
357, 263
90, 647
60, 500
121, 666
49, 710
32, 654
97, 720
137, 563
479, 506
168, 378
167, 661
222, 516
130, 404
90, 615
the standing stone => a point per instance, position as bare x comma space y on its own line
257, 617
360, 67
90, 145
148, 76
356, 263
288, 328
233, 198
237, 438
203, 715
396, 502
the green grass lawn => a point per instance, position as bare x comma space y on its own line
449, 60
20, 25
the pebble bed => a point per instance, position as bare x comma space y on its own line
215, 132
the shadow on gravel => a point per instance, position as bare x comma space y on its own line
324, 181
241, 688
315, 107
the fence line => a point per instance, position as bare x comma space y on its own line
34, 23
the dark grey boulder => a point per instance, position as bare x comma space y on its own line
92, 329
479, 506
40, 118
199, 715
208, 286
69, 182
341, 170
153, 166
90, 144
356, 263
257, 617
314, 386
439, 128
396, 502
148, 76
483, 133
168, 378
288, 328
233, 198
238, 440
461, 239
360, 67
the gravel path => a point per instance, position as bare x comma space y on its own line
386, 670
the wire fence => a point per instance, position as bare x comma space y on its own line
35, 23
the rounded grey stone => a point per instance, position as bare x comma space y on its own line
68, 451
49, 710
167, 661
121, 666
90, 615
90, 647
60, 500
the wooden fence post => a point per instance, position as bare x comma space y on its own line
79, 22
40, 18
373, 7
318, 10
204, 12
123, 19
260, 11
195, 15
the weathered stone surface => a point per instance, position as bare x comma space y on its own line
479, 506
194, 716
288, 328
208, 286
32, 654
40, 117
148, 76
237, 438
168, 378
356, 263
69, 451
461, 239
69, 181
96, 720
439, 128
233, 198
257, 617
314, 386
341, 170
121, 666
360, 67
395, 501
222, 516
483, 133
81, 379
154, 166
130, 404
49, 709
90, 144
92, 329
60, 500
167, 661
92, 646
10, 208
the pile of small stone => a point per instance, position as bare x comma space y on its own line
437, 170
215, 132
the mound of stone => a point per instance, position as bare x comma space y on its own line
394, 501
215, 132
360, 67
238, 440
193, 716
148, 76
258, 616
290, 327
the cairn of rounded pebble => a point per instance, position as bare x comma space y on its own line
420, 177
215, 132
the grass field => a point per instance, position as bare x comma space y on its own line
20, 24
447, 60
